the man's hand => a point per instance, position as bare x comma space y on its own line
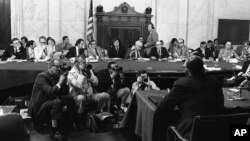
12, 57
79, 97
61, 79
114, 74
153, 57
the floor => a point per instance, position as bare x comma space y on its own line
86, 135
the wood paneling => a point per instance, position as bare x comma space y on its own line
5, 25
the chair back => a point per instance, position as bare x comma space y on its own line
215, 127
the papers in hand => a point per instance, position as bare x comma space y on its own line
91, 60
233, 60
234, 90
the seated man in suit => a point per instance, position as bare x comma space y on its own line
15, 51
116, 50
180, 51
111, 81
195, 94
96, 51
203, 51
79, 49
49, 94
136, 51
41, 51
143, 82
244, 50
65, 45
158, 52
228, 52
82, 82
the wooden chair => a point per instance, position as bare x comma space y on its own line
210, 128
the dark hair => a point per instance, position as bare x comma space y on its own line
110, 63
173, 40
65, 37
51, 39
194, 64
203, 43
246, 42
227, 41
78, 42
209, 41
141, 72
25, 39
161, 42
139, 37
42, 37
31, 42
153, 27
182, 40
14, 39
216, 39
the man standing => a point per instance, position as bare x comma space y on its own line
151, 40
195, 94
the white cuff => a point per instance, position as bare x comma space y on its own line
58, 86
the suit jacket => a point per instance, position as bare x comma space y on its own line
132, 53
154, 52
184, 51
152, 38
209, 52
10, 51
200, 95
105, 82
114, 54
44, 89
72, 52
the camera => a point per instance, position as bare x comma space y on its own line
119, 69
145, 80
86, 71
64, 69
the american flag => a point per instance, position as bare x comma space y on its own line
90, 28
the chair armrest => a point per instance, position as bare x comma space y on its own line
176, 132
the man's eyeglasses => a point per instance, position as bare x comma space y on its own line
180, 42
57, 66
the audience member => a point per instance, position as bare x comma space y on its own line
195, 94
49, 94
158, 52
96, 51
30, 49
82, 83
79, 49
14, 51
111, 80
143, 82
116, 50
151, 40
65, 45
24, 41
217, 48
228, 52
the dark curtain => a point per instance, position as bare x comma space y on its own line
5, 25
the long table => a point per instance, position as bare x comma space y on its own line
16, 74
140, 114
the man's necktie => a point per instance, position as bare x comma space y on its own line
96, 51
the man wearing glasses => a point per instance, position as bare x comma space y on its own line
49, 96
228, 52
181, 51
15, 51
40, 51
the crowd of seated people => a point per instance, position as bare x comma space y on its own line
47, 49
53, 88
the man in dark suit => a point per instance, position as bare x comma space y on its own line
196, 94
158, 51
77, 50
116, 50
15, 51
203, 51
111, 80
47, 97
